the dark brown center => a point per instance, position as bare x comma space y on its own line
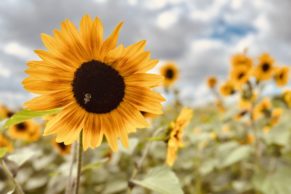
21, 126
266, 67
97, 87
62, 146
241, 75
169, 74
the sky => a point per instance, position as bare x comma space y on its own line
198, 35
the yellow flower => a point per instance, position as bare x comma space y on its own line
240, 76
263, 108
175, 140
287, 97
100, 87
220, 106
213, 136
281, 76
276, 115
227, 88
211, 82
246, 100
5, 112
28, 131
265, 68
170, 72
241, 114
241, 60
250, 138
61, 148
5, 143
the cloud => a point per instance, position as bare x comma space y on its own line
199, 35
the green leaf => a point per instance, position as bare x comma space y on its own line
22, 155
28, 114
161, 180
237, 155
3, 152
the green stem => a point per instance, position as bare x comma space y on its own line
79, 163
10, 177
70, 182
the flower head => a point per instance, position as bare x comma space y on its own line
265, 69
5, 143
241, 60
170, 72
212, 81
281, 76
100, 87
175, 140
227, 89
28, 131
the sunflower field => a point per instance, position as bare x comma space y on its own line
101, 121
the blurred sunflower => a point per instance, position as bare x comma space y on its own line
61, 148
240, 76
241, 60
265, 69
101, 88
27, 130
5, 112
246, 100
211, 81
227, 88
287, 98
5, 143
175, 140
250, 139
275, 117
281, 76
263, 108
170, 73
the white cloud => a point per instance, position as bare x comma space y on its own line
17, 50
167, 19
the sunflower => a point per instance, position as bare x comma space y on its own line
170, 73
211, 82
27, 130
275, 117
263, 108
175, 140
287, 98
100, 87
241, 60
265, 69
250, 138
240, 76
5, 112
227, 88
246, 100
5, 143
61, 148
281, 76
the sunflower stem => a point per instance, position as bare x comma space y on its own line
70, 183
11, 179
79, 163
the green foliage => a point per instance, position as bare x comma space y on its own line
28, 114
3, 152
162, 180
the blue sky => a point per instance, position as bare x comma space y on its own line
199, 35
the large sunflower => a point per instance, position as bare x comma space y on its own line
170, 72
101, 88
